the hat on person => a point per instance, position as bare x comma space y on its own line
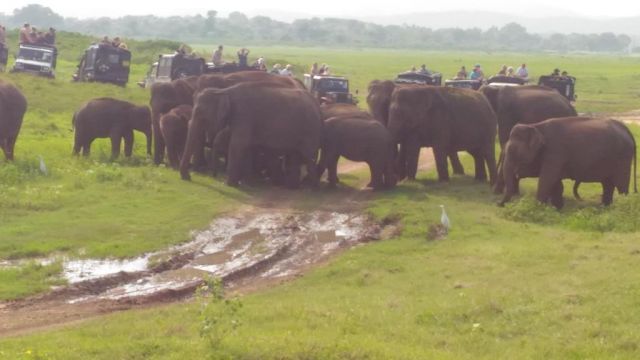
477, 65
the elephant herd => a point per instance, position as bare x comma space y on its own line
271, 127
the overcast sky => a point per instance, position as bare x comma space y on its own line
340, 8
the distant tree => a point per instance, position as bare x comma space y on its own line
37, 14
210, 23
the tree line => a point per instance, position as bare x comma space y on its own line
237, 28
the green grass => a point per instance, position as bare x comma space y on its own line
521, 282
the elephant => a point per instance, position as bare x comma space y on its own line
527, 104
379, 101
286, 122
13, 105
448, 120
164, 97
112, 118
358, 139
173, 127
339, 109
580, 148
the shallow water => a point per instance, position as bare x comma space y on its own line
284, 242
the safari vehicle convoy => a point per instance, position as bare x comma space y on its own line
105, 64
36, 59
170, 67
329, 88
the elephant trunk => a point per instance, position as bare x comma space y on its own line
510, 180
193, 139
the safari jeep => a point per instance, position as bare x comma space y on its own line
329, 89
173, 66
36, 59
104, 63
565, 85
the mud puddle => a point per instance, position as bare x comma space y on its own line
263, 245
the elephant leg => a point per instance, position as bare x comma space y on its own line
237, 152
86, 147
292, 171
128, 143
377, 170
413, 157
310, 162
489, 155
332, 167
607, 192
3, 145
548, 180
456, 165
77, 146
556, 195
213, 162
277, 169
441, 163
115, 146
322, 164
158, 142
9, 146
173, 155
499, 183
199, 161
400, 162
481, 174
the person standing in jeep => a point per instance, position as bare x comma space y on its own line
25, 33
217, 57
50, 37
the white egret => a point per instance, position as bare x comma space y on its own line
43, 167
444, 219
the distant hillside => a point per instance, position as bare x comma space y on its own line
555, 23
451, 31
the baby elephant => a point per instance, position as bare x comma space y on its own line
110, 118
579, 148
358, 139
174, 126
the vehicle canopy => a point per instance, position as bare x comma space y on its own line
36, 59
176, 66
565, 85
104, 63
412, 77
503, 79
464, 84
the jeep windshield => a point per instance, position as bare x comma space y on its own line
333, 85
35, 55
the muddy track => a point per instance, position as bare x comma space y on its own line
274, 239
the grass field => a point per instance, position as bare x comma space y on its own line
521, 282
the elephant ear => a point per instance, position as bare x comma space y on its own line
528, 140
184, 91
536, 139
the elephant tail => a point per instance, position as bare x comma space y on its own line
576, 184
73, 121
635, 159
